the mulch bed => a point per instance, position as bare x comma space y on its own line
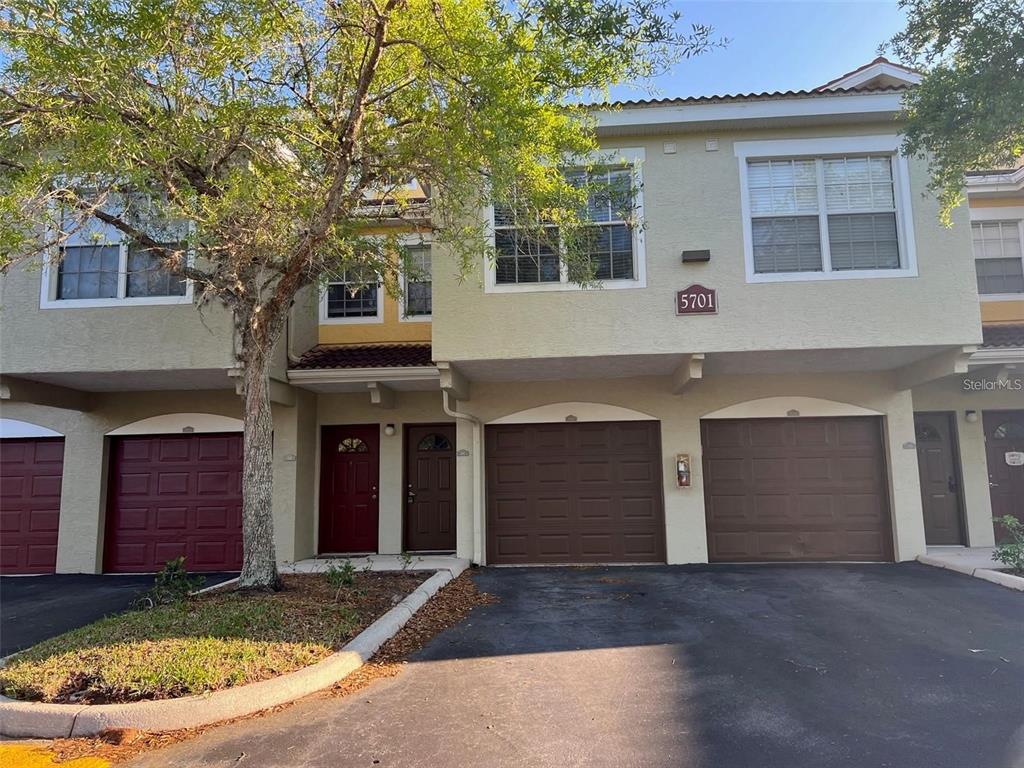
448, 607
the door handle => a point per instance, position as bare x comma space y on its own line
951, 484
410, 496
373, 495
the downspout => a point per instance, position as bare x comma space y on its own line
478, 474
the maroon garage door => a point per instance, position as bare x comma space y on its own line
574, 493
796, 489
30, 476
173, 495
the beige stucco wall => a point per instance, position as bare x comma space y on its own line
692, 201
410, 408
128, 338
950, 394
86, 468
680, 433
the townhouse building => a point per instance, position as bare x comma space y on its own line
788, 359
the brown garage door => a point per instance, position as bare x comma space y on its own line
30, 478
574, 493
796, 489
174, 495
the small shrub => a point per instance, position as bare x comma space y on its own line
406, 559
173, 584
1011, 552
340, 577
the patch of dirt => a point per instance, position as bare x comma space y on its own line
447, 608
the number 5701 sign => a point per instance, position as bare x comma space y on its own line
697, 300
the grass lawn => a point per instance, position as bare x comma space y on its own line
205, 643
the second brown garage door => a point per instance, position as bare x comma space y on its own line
174, 495
796, 489
574, 493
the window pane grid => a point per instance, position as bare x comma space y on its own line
418, 301
525, 255
146, 277
351, 297
1000, 276
851, 198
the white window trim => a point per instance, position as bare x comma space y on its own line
825, 147
632, 156
366, 320
416, 241
1004, 213
48, 287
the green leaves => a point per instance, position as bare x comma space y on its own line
268, 126
968, 112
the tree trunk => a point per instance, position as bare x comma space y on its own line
259, 562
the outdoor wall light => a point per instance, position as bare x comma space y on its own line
389, 429
971, 416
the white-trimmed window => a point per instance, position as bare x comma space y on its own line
825, 209
528, 258
999, 256
417, 284
99, 268
354, 298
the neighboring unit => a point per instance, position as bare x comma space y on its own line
791, 359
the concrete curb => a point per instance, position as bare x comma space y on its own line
988, 574
23, 719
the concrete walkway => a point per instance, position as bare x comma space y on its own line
380, 563
972, 561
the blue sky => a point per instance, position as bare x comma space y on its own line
777, 45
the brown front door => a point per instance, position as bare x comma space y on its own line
796, 489
578, 492
349, 469
430, 488
940, 478
1004, 434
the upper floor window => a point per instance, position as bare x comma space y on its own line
93, 271
999, 256
417, 283
825, 209
354, 297
529, 256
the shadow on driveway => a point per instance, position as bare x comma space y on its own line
794, 666
34, 608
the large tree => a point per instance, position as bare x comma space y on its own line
968, 111
248, 144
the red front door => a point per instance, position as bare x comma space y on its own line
349, 468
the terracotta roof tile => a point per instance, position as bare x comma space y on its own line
766, 95
1002, 336
365, 356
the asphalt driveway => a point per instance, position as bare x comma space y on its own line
716, 667
33, 608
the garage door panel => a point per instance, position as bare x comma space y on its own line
173, 497
796, 489
603, 504
31, 471
767, 434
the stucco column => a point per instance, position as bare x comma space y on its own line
391, 488
686, 539
905, 483
82, 500
465, 475
974, 469
295, 441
